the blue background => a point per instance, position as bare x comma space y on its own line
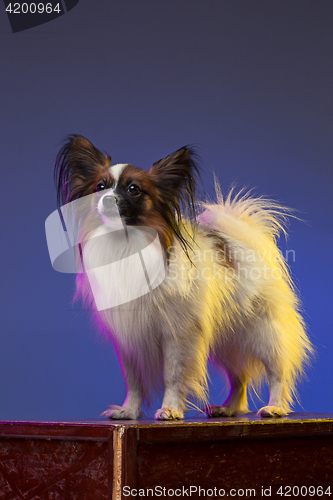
248, 82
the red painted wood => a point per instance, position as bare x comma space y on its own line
55, 461
75, 460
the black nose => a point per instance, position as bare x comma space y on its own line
109, 201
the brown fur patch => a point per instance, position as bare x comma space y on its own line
222, 248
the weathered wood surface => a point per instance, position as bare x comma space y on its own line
235, 457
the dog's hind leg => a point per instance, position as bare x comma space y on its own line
280, 352
237, 400
277, 405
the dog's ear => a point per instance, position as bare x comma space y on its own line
175, 179
77, 166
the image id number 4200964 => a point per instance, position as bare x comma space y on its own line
33, 8
301, 491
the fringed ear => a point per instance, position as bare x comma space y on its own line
175, 180
77, 167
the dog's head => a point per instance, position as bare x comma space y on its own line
154, 198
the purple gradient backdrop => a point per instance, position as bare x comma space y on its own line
249, 82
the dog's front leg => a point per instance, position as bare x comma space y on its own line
173, 403
131, 409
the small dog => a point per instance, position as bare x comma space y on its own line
225, 293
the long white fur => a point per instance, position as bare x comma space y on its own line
242, 312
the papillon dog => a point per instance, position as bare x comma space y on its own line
176, 283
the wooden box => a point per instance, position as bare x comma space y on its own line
247, 457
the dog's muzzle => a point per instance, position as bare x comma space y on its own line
109, 206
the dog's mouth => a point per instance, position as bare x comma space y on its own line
110, 212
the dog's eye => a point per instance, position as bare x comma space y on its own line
100, 186
133, 190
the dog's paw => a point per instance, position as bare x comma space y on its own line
166, 413
215, 411
271, 412
116, 412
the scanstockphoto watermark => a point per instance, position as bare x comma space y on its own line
259, 492
242, 264
184, 492
224, 255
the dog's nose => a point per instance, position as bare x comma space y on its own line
109, 201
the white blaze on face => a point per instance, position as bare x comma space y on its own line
116, 171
